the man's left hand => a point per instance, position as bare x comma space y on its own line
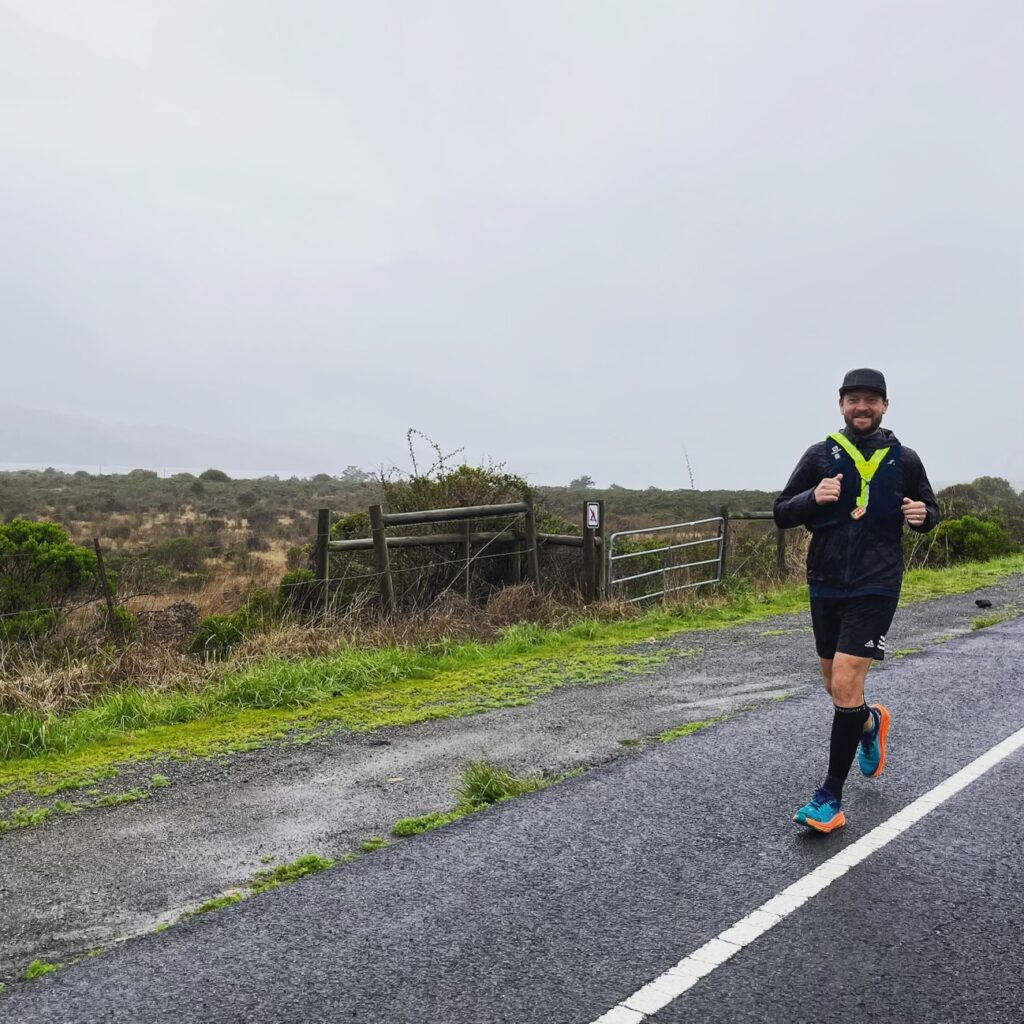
914, 512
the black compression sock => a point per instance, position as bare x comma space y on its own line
847, 729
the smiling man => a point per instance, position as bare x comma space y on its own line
855, 491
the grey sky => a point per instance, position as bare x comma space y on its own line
575, 237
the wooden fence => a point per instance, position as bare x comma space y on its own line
521, 538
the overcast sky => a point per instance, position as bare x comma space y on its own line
572, 237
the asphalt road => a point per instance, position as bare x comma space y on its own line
556, 907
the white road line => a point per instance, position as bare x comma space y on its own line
657, 994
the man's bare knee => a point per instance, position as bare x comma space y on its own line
848, 675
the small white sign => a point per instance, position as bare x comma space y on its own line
593, 515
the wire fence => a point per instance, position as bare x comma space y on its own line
252, 584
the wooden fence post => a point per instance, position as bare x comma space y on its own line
724, 513
321, 554
602, 562
467, 547
589, 562
380, 546
532, 554
780, 551
115, 623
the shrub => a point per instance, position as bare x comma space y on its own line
217, 476
188, 582
970, 539
298, 557
185, 554
218, 635
128, 622
40, 569
297, 590
423, 574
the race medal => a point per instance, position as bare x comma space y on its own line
858, 512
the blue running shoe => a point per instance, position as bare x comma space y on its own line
871, 751
824, 813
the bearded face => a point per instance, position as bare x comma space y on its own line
863, 410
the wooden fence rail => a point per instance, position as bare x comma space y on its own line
517, 537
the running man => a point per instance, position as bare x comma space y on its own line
854, 492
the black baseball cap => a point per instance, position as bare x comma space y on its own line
864, 380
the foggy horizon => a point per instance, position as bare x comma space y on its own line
567, 238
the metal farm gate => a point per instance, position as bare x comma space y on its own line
669, 561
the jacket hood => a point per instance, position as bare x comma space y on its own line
881, 438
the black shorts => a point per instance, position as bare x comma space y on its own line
852, 625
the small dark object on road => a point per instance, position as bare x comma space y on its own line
981, 602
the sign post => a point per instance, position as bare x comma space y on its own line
592, 525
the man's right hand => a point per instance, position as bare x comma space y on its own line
828, 490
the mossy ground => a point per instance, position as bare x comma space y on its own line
984, 621
363, 690
688, 729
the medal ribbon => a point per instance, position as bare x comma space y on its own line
865, 467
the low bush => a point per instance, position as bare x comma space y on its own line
128, 623
218, 635
969, 538
41, 570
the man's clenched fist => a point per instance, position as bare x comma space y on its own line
828, 490
914, 512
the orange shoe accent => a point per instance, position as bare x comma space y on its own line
883, 730
827, 826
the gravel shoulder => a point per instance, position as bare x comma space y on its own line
85, 881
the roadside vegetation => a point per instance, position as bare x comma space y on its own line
80, 692
265, 881
482, 785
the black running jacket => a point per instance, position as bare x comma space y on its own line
850, 557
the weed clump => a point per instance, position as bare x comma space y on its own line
687, 729
984, 621
484, 784
405, 827
285, 874
38, 968
219, 903
481, 785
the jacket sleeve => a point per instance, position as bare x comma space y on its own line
796, 506
918, 488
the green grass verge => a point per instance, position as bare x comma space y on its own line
922, 584
362, 690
